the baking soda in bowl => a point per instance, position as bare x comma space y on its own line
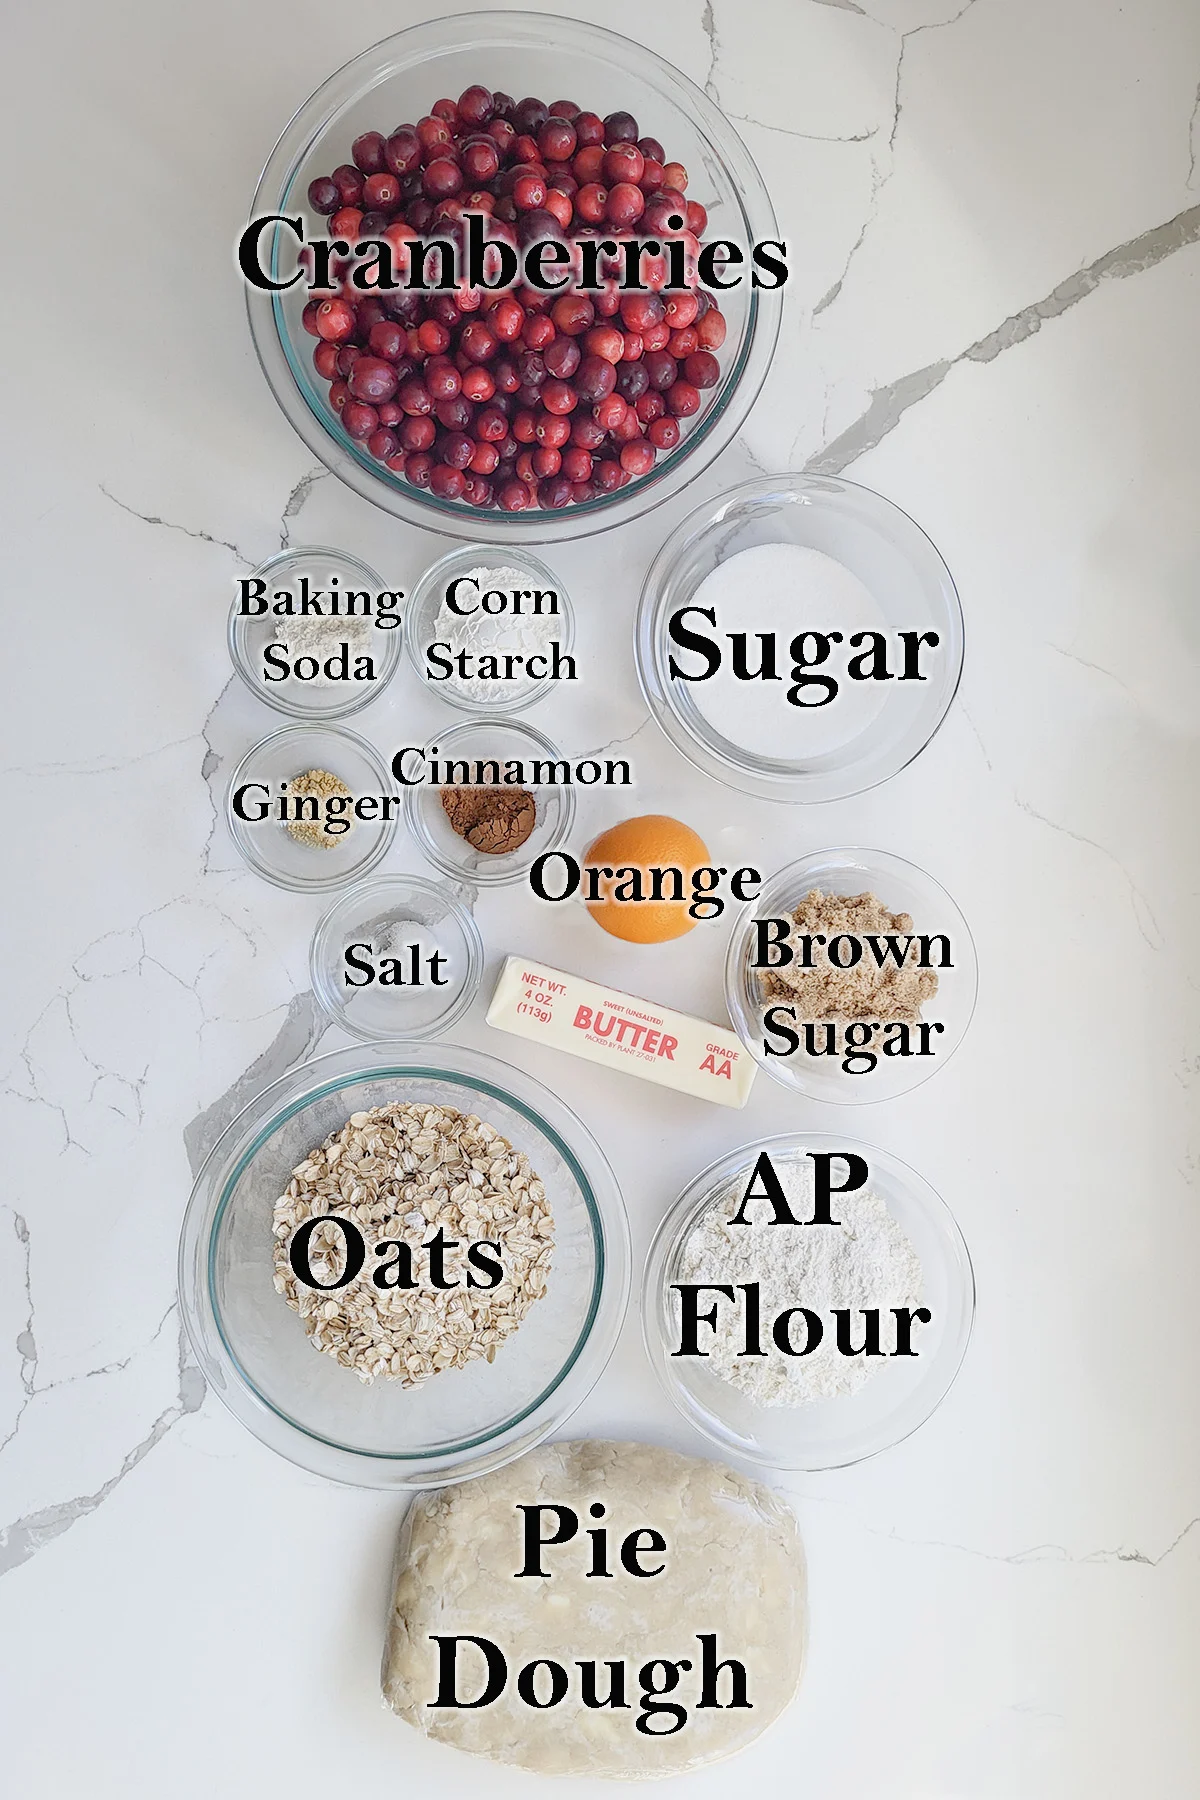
795, 598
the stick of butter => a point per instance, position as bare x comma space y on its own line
638, 1036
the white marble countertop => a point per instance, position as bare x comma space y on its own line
995, 208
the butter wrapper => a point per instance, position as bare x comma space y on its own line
599, 1023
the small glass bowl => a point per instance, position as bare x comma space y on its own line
366, 915
505, 740
908, 589
269, 847
429, 622
461, 1423
249, 637
899, 1397
521, 53
901, 887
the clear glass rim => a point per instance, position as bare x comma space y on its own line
740, 1002
782, 781
677, 1222
315, 884
278, 700
415, 819
212, 1194
420, 597
382, 886
742, 382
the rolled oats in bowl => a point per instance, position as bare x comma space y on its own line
458, 1237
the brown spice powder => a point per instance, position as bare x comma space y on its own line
494, 820
826, 992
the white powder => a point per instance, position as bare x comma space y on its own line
322, 636
785, 589
500, 634
866, 1260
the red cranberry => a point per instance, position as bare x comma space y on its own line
323, 195
370, 313
507, 318
442, 379
477, 384
367, 152
624, 162
660, 368
681, 344
335, 320
455, 414
359, 419
419, 214
477, 341
390, 415
680, 310
573, 314
595, 378
561, 397
683, 399
445, 109
538, 333
608, 475
585, 433
702, 369
478, 491
656, 337
651, 405
663, 433
347, 356
382, 191
485, 459
620, 128
589, 128
339, 396
308, 318
433, 131
524, 425
447, 483
605, 341
373, 379
632, 346
475, 105
587, 165
652, 174
349, 183
651, 147
554, 493
711, 329
418, 434
609, 412
397, 463
577, 464
383, 444
546, 460
640, 311
480, 158
418, 468
531, 115
556, 140
637, 457
491, 425
433, 338
608, 302
552, 430
414, 397
525, 152
529, 193
442, 178
325, 360
562, 357
625, 205
560, 207
402, 152
456, 449
347, 223
525, 469
590, 203
512, 496
697, 218
563, 109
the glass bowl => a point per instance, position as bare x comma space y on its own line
269, 846
521, 53
890, 571
902, 888
504, 740
898, 1397
249, 637
390, 916
429, 621
464, 1422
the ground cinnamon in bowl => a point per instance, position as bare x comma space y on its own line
493, 820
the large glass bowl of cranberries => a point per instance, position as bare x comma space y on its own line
557, 414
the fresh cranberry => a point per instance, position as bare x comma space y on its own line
480, 158
609, 412
382, 191
339, 396
349, 183
702, 369
660, 368
383, 444
433, 338
557, 140
335, 320
562, 357
651, 147
524, 425
367, 152
632, 380
651, 405
560, 206
656, 337
418, 468
652, 174
641, 311
491, 425
477, 384
531, 115
529, 193
476, 105
554, 493
432, 131
605, 341
681, 310
414, 397
697, 218
418, 433
537, 333
624, 162
455, 414
402, 152
625, 205
347, 356
325, 360
323, 195
683, 399
595, 378
502, 134
573, 314
632, 346
663, 433
347, 223
512, 496
372, 378
608, 475
637, 457
620, 128
456, 449
308, 318
477, 491
359, 419
585, 433
590, 202
477, 341
681, 344
507, 318
546, 460
397, 463
711, 329
561, 397
589, 128
442, 379
485, 459
442, 178
447, 483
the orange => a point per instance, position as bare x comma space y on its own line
651, 842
